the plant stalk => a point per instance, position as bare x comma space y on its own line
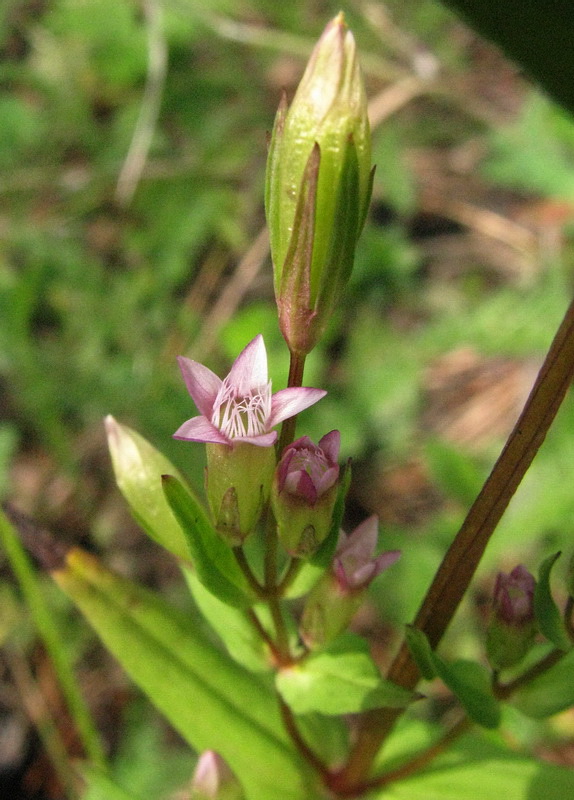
463, 556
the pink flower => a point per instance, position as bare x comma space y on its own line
241, 408
307, 470
355, 564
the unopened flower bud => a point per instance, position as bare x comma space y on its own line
512, 626
340, 592
213, 779
304, 493
318, 187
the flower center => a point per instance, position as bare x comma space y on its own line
240, 415
313, 462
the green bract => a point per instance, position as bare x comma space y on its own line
318, 186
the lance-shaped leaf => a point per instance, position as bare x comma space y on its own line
421, 652
547, 612
212, 557
468, 680
212, 702
341, 680
232, 625
138, 468
477, 765
549, 693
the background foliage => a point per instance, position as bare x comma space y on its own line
462, 275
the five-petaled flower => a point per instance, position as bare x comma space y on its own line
240, 408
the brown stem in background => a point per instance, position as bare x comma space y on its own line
462, 558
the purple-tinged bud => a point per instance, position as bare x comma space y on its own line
340, 592
512, 625
318, 187
355, 563
213, 779
304, 493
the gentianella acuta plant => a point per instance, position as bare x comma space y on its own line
282, 700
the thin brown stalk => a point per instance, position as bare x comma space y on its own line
463, 556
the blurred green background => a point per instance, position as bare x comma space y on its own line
132, 158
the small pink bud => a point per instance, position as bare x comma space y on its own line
338, 595
513, 601
304, 492
512, 626
355, 564
213, 779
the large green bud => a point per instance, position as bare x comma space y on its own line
318, 188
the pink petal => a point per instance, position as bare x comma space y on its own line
330, 444
288, 402
202, 384
386, 560
327, 480
200, 429
249, 370
301, 484
360, 545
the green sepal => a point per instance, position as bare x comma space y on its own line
549, 693
232, 625
319, 561
212, 558
421, 652
342, 232
547, 612
138, 468
342, 679
471, 683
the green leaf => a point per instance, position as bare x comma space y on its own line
547, 612
211, 701
99, 786
478, 765
213, 558
470, 682
421, 651
232, 626
550, 693
341, 680
138, 468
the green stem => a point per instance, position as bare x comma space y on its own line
246, 569
461, 560
295, 380
504, 690
47, 628
293, 570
